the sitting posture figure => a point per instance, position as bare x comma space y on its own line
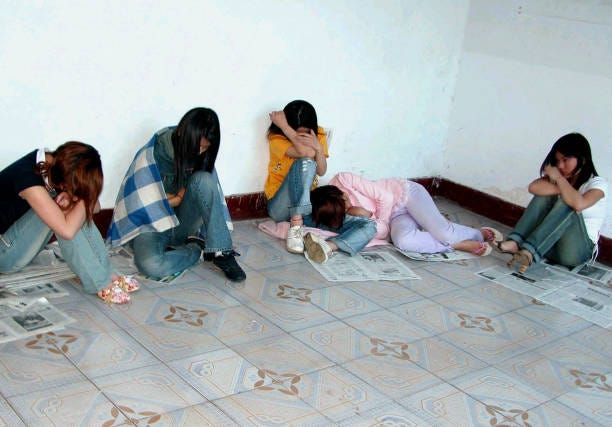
298, 152
46, 193
403, 210
169, 193
563, 219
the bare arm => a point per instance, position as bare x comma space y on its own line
554, 183
302, 144
543, 187
175, 199
65, 223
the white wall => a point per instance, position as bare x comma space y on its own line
110, 73
530, 72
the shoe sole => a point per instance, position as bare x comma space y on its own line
314, 250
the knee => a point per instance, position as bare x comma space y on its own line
402, 238
306, 166
147, 266
201, 180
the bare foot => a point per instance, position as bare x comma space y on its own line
508, 246
473, 246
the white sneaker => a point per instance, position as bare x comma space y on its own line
317, 249
295, 239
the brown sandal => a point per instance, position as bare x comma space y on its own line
523, 257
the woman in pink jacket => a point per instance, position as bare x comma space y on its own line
403, 210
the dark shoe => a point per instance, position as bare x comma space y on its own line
227, 263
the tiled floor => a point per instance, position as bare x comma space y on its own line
289, 348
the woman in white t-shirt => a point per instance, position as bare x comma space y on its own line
562, 221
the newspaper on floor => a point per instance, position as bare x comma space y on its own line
438, 256
36, 317
48, 290
371, 264
164, 280
45, 268
587, 271
560, 289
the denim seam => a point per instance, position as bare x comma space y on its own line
547, 238
213, 250
343, 245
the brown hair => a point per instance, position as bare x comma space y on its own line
76, 168
327, 206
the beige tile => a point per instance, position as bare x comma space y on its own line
218, 373
499, 338
146, 391
77, 403
392, 372
445, 406
335, 340
283, 354
277, 405
559, 367
499, 390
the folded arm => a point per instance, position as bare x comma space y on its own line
63, 218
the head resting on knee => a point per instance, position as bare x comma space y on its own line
328, 206
76, 169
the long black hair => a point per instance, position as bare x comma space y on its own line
196, 124
573, 145
298, 113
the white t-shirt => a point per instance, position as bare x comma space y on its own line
596, 214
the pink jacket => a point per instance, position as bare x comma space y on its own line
379, 196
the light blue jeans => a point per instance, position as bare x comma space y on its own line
85, 254
550, 228
354, 234
162, 254
293, 196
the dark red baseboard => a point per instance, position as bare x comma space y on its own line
253, 205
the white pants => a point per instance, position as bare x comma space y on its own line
418, 226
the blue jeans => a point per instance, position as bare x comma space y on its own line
550, 228
354, 234
201, 205
293, 196
85, 254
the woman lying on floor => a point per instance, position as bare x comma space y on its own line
402, 209
562, 221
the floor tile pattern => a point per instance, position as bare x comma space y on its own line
288, 348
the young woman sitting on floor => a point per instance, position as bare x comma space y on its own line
562, 221
56, 192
